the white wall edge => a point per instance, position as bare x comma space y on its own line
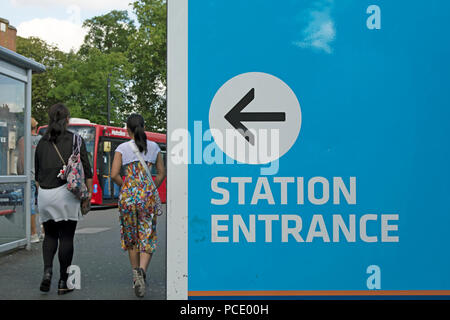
177, 174
13, 245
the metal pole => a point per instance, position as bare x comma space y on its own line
108, 94
27, 152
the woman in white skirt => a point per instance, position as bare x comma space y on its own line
59, 209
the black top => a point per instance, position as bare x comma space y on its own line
47, 162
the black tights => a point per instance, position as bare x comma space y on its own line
64, 231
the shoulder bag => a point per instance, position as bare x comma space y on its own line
73, 173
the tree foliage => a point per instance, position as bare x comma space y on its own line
82, 85
108, 33
148, 57
54, 60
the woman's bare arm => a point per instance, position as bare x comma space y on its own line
161, 170
115, 169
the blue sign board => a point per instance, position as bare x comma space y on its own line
352, 197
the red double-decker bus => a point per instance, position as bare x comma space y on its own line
101, 143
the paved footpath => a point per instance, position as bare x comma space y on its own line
105, 268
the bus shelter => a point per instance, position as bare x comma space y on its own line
15, 116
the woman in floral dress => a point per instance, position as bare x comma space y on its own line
138, 199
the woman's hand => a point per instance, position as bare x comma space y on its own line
86, 202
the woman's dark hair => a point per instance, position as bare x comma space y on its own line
135, 123
57, 121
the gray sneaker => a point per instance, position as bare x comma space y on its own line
139, 282
135, 276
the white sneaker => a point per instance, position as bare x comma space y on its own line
34, 238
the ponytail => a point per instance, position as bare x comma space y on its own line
135, 123
141, 139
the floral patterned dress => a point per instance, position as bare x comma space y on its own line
137, 210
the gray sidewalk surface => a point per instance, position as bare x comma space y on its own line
105, 269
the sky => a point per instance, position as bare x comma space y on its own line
58, 22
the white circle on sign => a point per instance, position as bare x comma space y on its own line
255, 118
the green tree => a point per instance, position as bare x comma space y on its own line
108, 33
81, 83
53, 59
147, 54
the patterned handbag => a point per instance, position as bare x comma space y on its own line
73, 173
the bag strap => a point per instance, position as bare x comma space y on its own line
59, 154
144, 164
76, 144
149, 175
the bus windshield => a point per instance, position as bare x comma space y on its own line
88, 135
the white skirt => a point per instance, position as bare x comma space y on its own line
58, 204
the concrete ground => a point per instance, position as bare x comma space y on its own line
105, 268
